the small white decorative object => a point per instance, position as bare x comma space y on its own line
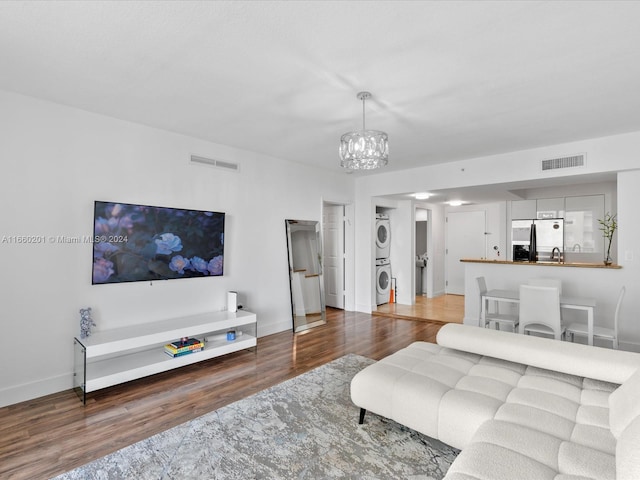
86, 322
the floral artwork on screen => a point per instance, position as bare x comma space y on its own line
134, 243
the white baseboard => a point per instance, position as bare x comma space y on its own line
629, 346
276, 327
29, 391
365, 308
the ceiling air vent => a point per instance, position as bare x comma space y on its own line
574, 161
220, 164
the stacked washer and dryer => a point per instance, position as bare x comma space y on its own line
383, 264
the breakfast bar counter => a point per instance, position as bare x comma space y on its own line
541, 264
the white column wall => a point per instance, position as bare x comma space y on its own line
629, 253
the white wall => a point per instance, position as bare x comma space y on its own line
57, 160
629, 253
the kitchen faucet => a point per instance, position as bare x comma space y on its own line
553, 252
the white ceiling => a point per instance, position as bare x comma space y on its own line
450, 80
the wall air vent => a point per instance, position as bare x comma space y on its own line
575, 161
211, 162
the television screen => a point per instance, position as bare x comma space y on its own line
134, 243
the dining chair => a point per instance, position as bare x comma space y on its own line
546, 282
578, 328
540, 311
499, 319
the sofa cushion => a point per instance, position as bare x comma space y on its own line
578, 460
416, 393
489, 387
544, 401
489, 461
461, 413
408, 385
624, 404
627, 457
597, 438
541, 383
541, 447
534, 418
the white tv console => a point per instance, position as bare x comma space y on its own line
119, 355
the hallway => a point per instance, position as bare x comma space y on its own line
444, 308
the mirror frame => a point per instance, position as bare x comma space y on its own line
303, 285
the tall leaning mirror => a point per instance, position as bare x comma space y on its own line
305, 274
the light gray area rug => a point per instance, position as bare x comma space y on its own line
304, 428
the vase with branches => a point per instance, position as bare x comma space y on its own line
608, 226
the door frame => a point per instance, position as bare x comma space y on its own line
333, 241
430, 247
349, 250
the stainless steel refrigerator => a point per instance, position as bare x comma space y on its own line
548, 240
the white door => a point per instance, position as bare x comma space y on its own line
333, 242
465, 239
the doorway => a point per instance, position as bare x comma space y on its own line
421, 251
333, 233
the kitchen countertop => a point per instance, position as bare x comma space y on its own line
541, 264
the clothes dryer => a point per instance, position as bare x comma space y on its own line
383, 236
383, 280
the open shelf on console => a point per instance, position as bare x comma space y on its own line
119, 355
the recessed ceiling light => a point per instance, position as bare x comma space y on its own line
422, 195
455, 203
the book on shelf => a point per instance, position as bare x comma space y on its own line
184, 345
181, 354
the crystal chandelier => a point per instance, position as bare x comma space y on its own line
364, 149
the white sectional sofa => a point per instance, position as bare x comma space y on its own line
519, 407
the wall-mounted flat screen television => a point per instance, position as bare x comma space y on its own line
135, 243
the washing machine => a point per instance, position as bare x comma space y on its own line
383, 280
383, 236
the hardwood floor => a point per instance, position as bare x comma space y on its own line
444, 308
47, 436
